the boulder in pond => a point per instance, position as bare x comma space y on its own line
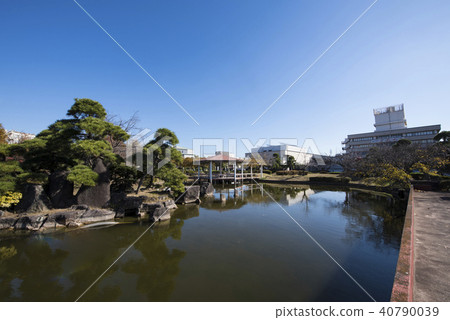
99, 195
206, 189
60, 190
34, 199
158, 211
191, 195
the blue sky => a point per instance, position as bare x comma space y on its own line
226, 62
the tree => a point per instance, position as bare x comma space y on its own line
74, 144
160, 149
276, 162
402, 143
3, 135
444, 136
291, 162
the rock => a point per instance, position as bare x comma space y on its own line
61, 219
96, 215
80, 207
33, 223
159, 211
1, 213
99, 195
73, 224
70, 218
34, 199
206, 189
192, 194
6, 223
126, 206
170, 204
60, 191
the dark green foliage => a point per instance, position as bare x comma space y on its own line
276, 162
9, 171
443, 136
402, 143
82, 175
161, 145
417, 175
73, 144
291, 162
83, 108
340, 180
291, 172
2, 134
173, 178
32, 177
122, 177
444, 185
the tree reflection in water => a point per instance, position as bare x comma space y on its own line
61, 266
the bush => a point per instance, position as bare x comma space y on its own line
417, 175
10, 198
444, 185
394, 177
342, 180
267, 171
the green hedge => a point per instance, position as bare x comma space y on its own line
291, 172
343, 180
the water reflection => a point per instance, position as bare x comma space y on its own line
237, 245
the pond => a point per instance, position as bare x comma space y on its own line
245, 247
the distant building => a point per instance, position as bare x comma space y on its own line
390, 126
187, 153
284, 151
13, 137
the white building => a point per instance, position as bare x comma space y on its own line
13, 137
390, 127
284, 151
186, 152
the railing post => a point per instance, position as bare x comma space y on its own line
210, 172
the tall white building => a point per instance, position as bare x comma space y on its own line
390, 127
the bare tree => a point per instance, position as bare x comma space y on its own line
128, 125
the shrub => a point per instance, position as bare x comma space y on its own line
417, 175
444, 185
288, 172
10, 198
343, 180
394, 177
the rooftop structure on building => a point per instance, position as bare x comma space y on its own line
390, 127
13, 137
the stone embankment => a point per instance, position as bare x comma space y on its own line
75, 216
35, 213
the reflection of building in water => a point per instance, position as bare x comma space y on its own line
298, 198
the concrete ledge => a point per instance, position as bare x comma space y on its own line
402, 290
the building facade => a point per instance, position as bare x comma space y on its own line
390, 127
13, 137
187, 153
284, 151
